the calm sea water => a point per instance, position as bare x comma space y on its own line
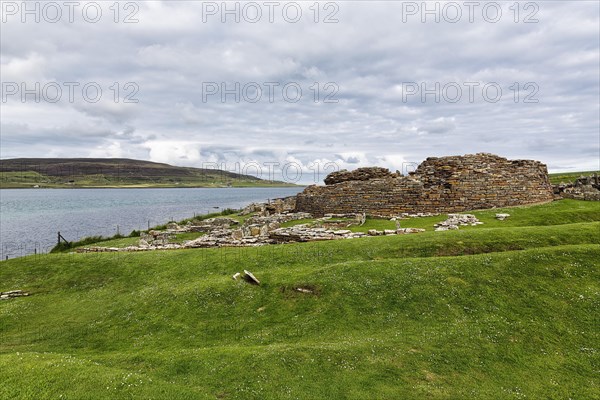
31, 218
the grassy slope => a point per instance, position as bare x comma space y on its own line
134, 241
567, 177
555, 213
387, 319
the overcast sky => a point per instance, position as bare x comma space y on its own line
369, 61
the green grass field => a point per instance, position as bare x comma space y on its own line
504, 310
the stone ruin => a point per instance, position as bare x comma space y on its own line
454, 221
584, 188
275, 206
360, 174
262, 227
154, 238
439, 185
445, 185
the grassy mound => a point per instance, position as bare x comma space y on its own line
494, 312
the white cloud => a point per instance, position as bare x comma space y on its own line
177, 152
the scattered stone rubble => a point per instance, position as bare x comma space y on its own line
502, 217
584, 188
261, 229
100, 249
401, 231
154, 238
456, 220
413, 215
12, 294
211, 224
304, 233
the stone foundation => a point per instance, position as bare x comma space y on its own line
439, 185
584, 188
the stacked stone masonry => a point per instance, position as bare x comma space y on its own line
584, 188
438, 185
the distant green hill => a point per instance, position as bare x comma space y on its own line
115, 172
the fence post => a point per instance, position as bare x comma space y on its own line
61, 237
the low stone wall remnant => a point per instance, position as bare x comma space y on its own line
584, 188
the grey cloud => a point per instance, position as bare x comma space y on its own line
170, 53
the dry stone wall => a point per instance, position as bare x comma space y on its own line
438, 185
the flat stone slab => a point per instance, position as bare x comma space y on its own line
251, 278
12, 294
342, 232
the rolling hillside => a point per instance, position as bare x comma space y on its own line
503, 310
115, 172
